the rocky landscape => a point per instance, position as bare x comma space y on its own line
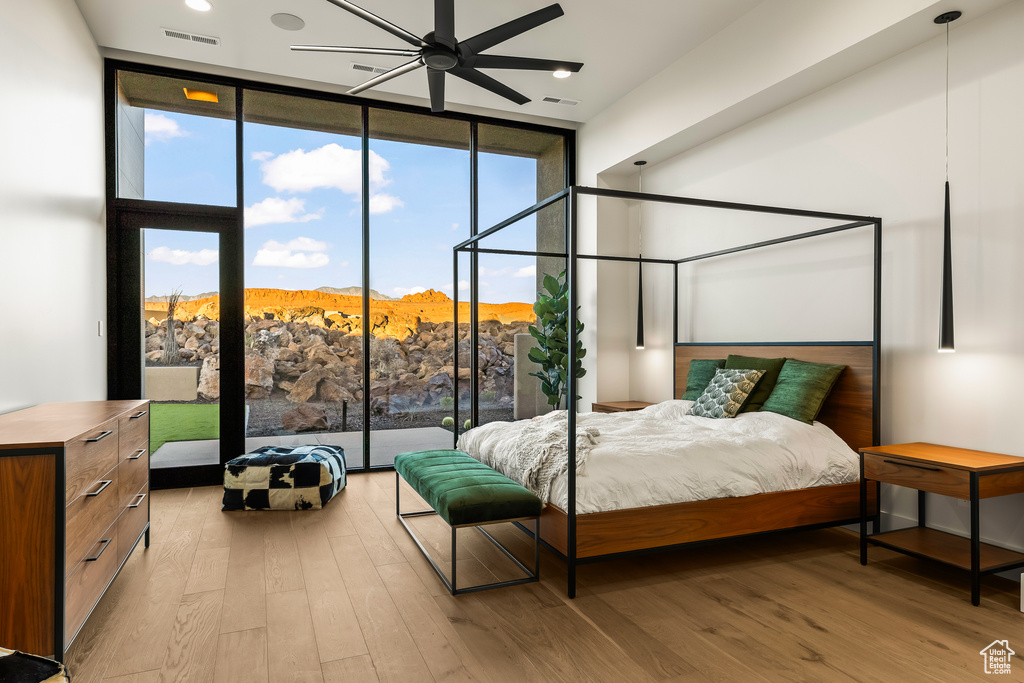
303, 353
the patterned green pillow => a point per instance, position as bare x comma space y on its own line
726, 394
699, 376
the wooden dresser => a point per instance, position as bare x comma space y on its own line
74, 502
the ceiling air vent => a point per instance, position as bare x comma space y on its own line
560, 100
369, 69
191, 37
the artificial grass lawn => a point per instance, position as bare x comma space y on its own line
182, 422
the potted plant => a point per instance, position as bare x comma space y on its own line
552, 337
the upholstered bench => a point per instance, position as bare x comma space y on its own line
284, 478
464, 492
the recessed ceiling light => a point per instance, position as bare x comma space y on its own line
199, 5
200, 95
289, 22
562, 73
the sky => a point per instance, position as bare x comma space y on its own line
302, 210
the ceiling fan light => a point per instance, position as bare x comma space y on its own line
562, 73
199, 5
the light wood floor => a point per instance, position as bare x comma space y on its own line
343, 594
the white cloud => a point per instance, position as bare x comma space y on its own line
455, 226
160, 128
382, 203
463, 286
261, 156
330, 166
301, 252
181, 257
277, 210
526, 271
402, 291
344, 264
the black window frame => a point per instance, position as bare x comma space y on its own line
124, 356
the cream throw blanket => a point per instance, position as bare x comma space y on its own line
539, 454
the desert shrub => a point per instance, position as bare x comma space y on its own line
488, 396
448, 422
385, 354
447, 402
467, 424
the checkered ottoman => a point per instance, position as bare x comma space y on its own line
19, 667
284, 478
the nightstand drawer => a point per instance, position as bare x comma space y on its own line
133, 431
922, 476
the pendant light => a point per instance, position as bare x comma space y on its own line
640, 265
946, 308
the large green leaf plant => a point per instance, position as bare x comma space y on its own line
552, 352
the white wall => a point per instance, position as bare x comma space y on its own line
873, 144
52, 259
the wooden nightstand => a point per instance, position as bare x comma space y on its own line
956, 472
618, 406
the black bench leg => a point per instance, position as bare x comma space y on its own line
454, 589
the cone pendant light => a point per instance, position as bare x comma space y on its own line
946, 344
640, 265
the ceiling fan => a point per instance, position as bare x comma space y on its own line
441, 53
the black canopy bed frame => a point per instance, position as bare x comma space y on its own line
852, 409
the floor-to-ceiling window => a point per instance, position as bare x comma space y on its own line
300, 245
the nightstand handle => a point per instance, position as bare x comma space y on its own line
917, 467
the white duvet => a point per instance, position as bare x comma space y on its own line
661, 455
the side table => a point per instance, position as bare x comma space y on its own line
956, 472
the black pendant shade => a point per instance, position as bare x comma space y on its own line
640, 308
946, 311
640, 265
946, 307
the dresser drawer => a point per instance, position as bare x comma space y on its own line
133, 431
132, 473
88, 515
923, 476
90, 457
86, 583
132, 522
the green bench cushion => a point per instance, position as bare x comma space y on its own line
463, 490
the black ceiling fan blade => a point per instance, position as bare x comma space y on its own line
378, 22
387, 76
391, 52
500, 34
488, 83
503, 62
444, 23
435, 81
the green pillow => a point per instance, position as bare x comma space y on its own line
699, 376
771, 367
802, 388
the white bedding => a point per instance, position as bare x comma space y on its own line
661, 455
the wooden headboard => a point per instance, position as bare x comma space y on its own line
848, 410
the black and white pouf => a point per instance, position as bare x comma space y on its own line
18, 667
284, 478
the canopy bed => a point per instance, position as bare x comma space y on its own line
726, 499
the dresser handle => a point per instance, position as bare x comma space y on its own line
104, 542
102, 436
917, 467
138, 454
105, 483
138, 415
139, 498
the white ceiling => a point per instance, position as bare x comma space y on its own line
621, 44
